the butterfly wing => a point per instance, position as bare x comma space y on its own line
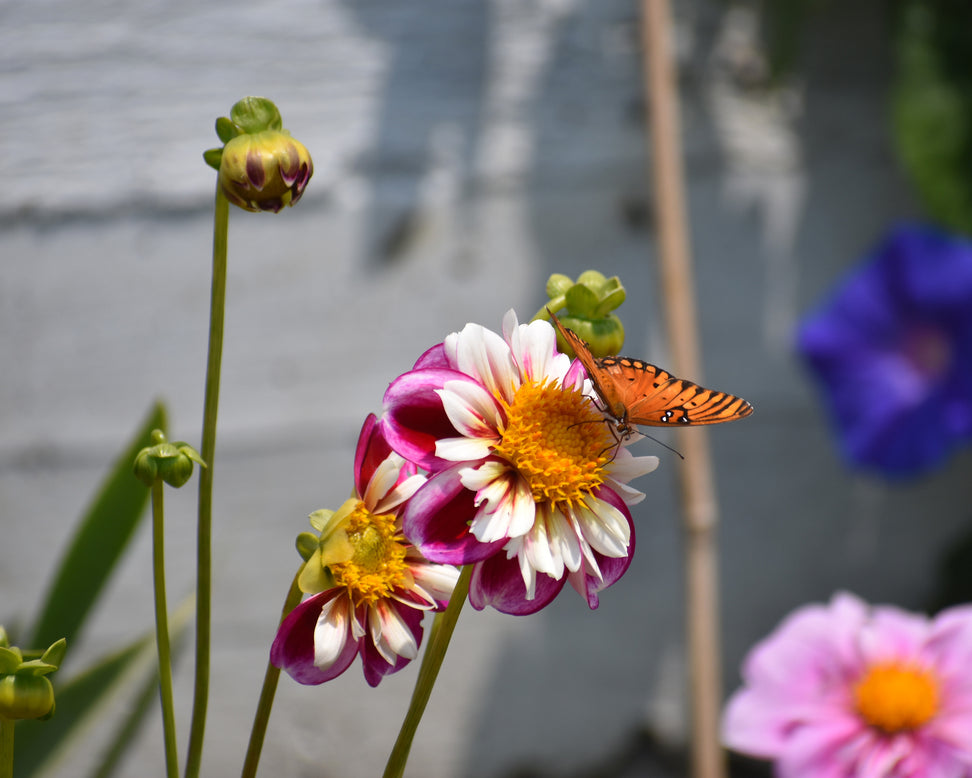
654, 398
637, 392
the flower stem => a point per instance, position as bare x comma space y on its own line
265, 705
699, 504
6, 747
439, 637
200, 699
162, 631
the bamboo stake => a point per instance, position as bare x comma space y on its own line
700, 512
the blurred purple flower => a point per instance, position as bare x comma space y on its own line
892, 350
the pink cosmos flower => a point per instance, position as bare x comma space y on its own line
526, 479
847, 691
370, 586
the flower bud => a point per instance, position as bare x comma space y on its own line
589, 302
172, 462
25, 692
261, 167
25, 697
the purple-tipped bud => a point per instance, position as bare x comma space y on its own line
261, 167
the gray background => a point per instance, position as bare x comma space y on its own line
463, 150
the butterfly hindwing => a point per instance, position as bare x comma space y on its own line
637, 392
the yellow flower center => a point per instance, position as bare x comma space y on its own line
378, 566
895, 698
557, 440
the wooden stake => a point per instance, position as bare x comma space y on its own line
700, 511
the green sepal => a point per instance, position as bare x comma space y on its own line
10, 660
55, 653
307, 544
226, 130
213, 157
558, 284
256, 114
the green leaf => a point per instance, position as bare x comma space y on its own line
98, 543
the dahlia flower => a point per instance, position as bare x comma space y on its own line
847, 691
527, 481
370, 586
892, 349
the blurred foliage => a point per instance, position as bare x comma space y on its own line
931, 96
932, 105
100, 539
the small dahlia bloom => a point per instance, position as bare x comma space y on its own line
370, 588
847, 691
892, 351
526, 479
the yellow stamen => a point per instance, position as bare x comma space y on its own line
557, 440
378, 565
896, 698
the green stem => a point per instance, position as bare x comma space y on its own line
162, 631
200, 698
270, 678
6, 747
439, 637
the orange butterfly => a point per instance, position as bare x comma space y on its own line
636, 392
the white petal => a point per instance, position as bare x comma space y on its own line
382, 480
464, 449
437, 580
604, 527
391, 635
473, 411
534, 349
485, 356
331, 632
628, 494
626, 467
565, 539
399, 494
538, 551
476, 478
529, 575
524, 509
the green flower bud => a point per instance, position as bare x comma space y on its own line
25, 692
172, 462
261, 167
589, 302
26, 697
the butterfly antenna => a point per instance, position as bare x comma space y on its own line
676, 452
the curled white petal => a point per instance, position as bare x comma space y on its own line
464, 449
331, 632
399, 494
390, 634
604, 527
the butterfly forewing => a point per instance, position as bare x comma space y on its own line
636, 392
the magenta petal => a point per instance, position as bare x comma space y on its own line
371, 451
434, 357
414, 419
374, 665
293, 648
436, 521
497, 581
